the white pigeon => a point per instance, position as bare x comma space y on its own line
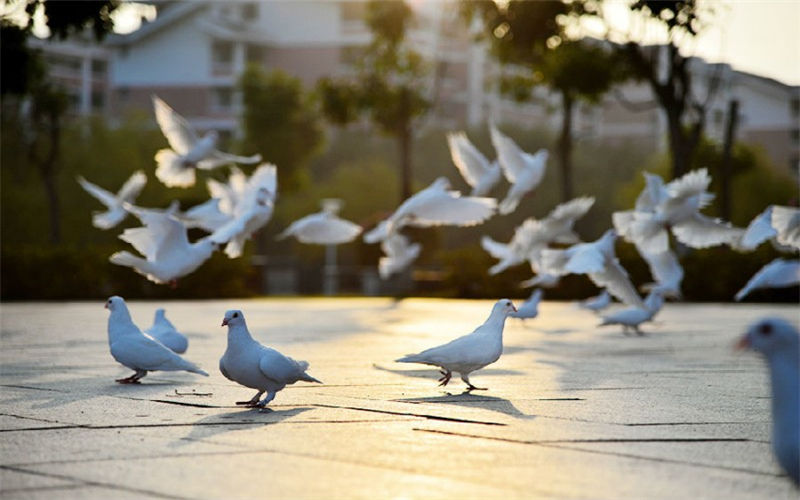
163, 241
132, 348
675, 206
598, 261
253, 365
596, 303
165, 332
207, 216
322, 228
239, 229
473, 165
471, 352
399, 255
533, 235
116, 212
779, 273
667, 271
530, 308
777, 340
635, 316
523, 170
786, 221
758, 231
436, 205
177, 164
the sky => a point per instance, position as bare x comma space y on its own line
757, 36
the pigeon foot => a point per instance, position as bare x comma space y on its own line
445, 377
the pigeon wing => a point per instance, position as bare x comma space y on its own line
132, 187
282, 369
700, 231
615, 279
472, 164
175, 128
105, 197
786, 220
509, 155
449, 208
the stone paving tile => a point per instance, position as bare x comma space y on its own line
572, 411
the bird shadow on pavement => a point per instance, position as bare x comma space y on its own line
433, 373
244, 419
471, 400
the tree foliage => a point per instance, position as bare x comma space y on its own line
531, 38
280, 122
387, 85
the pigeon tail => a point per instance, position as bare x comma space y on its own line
309, 378
171, 170
409, 358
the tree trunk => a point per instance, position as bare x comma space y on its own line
727, 150
404, 144
565, 146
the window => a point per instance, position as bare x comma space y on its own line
249, 11
99, 67
221, 57
254, 54
98, 100
222, 98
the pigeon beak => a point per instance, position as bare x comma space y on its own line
105, 306
514, 307
224, 322
742, 344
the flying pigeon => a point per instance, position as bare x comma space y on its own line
779, 273
187, 151
241, 227
253, 365
165, 332
635, 316
399, 254
116, 212
596, 303
435, 205
530, 308
598, 261
471, 352
322, 228
473, 165
675, 206
523, 170
786, 221
777, 340
162, 240
130, 347
667, 271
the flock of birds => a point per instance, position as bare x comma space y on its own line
663, 213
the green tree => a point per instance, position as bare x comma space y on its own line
39, 105
386, 86
280, 122
667, 72
530, 37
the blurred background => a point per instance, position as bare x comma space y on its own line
352, 100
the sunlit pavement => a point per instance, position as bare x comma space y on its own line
572, 411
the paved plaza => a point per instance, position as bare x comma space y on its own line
572, 410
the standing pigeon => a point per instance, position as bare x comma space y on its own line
165, 332
436, 205
165, 245
256, 366
635, 316
523, 170
474, 167
530, 308
187, 151
596, 303
777, 340
779, 273
116, 212
130, 347
322, 228
471, 352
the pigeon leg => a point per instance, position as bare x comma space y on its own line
253, 402
638, 332
269, 397
471, 387
133, 379
445, 377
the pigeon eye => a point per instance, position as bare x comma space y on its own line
765, 329
235, 315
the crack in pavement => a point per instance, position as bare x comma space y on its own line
562, 444
418, 415
86, 482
